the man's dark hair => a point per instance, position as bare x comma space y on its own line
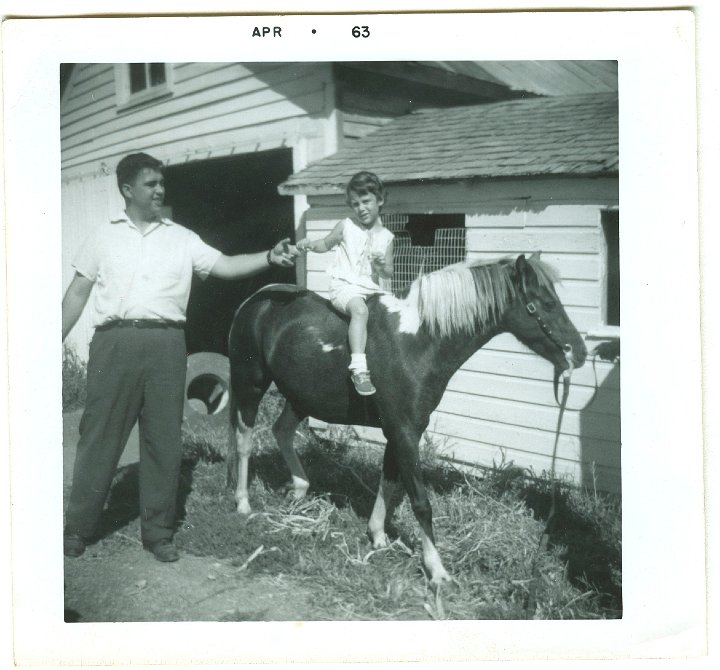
365, 182
130, 166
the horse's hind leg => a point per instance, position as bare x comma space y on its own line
244, 403
284, 431
241, 436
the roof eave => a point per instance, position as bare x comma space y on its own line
339, 188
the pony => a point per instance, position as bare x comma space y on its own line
416, 342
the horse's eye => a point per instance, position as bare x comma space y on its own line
549, 304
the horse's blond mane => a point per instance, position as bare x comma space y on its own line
461, 297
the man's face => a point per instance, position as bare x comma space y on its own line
147, 193
366, 207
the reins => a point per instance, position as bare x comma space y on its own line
567, 352
549, 523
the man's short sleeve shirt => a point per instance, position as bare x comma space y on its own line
143, 275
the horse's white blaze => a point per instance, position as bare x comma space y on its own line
406, 308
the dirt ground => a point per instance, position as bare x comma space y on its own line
116, 580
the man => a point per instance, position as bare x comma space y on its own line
141, 266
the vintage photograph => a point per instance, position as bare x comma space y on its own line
314, 338
341, 341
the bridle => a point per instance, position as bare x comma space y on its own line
564, 347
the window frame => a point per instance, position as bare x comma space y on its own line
128, 100
606, 330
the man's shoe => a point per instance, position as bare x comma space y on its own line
362, 383
73, 545
164, 550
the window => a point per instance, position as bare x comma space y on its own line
146, 75
424, 243
611, 285
139, 83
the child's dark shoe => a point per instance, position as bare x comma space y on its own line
362, 383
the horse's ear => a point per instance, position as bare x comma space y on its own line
535, 256
526, 275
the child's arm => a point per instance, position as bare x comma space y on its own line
382, 264
330, 241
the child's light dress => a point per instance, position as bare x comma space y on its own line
351, 274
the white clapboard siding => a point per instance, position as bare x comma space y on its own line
210, 105
593, 463
532, 239
520, 389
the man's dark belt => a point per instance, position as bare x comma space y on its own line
140, 323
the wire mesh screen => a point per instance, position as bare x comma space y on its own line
412, 260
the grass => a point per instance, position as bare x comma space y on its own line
74, 376
488, 530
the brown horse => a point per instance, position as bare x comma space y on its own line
415, 344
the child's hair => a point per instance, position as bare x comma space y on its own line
131, 166
366, 182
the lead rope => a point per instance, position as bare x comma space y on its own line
531, 600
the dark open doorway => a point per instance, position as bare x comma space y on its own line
233, 204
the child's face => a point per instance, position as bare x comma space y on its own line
366, 207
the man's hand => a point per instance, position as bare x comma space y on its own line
283, 254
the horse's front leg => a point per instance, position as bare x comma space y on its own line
389, 495
284, 431
406, 452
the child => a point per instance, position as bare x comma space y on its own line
364, 257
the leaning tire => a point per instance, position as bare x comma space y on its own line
207, 391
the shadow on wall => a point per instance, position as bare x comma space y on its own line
600, 425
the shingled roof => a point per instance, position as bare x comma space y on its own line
573, 135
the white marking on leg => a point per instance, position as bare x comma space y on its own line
407, 308
433, 563
300, 487
243, 435
383, 503
284, 431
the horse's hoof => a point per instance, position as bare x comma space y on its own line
378, 540
243, 507
297, 488
442, 580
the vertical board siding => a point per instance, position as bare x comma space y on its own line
500, 405
86, 203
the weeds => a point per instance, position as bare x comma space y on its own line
74, 378
488, 531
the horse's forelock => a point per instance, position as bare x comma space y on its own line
547, 275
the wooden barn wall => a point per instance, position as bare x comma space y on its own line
85, 203
215, 110
499, 406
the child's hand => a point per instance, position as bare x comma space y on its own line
377, 259
304, 245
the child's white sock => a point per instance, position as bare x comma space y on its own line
358, 362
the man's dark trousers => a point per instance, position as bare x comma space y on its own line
132, 374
